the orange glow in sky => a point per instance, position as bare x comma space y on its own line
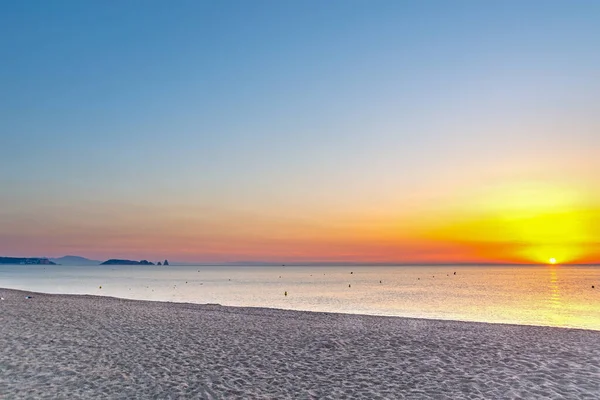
520, 223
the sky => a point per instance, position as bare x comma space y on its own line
301, 131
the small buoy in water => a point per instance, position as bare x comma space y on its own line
99, 287
28, 297
379, 281
349, 285
351, 272
285, 293
185, 281
455, 273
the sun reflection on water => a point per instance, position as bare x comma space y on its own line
555, 298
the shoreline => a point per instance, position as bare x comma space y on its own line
249, 308
56, 345
28, 292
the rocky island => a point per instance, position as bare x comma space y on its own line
26, 261
126, 262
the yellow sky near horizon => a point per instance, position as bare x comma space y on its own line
524, 222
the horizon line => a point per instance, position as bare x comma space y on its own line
340, 263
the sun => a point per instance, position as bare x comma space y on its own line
552, 260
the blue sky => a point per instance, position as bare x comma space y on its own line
279, 108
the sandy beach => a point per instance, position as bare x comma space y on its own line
66, 346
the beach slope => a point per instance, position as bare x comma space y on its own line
66, 346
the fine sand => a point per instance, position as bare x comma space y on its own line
65, 346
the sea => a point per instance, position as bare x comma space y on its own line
560, 296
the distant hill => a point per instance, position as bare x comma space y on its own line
26, 261
75, 260
126, 262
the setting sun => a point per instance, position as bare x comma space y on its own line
552, 261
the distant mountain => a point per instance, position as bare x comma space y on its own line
126, 262
26, 261
75, 260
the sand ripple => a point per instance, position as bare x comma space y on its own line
91, 347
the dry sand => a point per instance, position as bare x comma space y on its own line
61, 346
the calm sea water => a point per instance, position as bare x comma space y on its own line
554, 296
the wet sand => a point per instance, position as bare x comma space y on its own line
67, 346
